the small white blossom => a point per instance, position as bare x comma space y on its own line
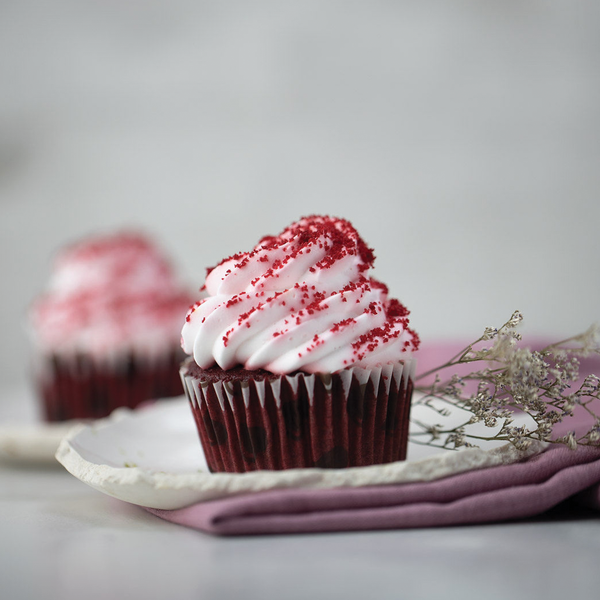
594, 435
514, 320
589, 340
489, 333
570, 440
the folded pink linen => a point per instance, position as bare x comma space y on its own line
496, 494
493, 494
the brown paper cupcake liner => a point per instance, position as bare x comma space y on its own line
82, 387
250, 420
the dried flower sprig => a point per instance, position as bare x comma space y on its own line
510, 379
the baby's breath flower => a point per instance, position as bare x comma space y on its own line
589, 340
594, 433
539, 383
454, 387
569, 440
489, 333
514, 320
434, 432
544, 430
457, 437
591, 384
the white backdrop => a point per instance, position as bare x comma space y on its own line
462, 139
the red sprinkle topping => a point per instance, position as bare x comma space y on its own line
396, 309
342, 324
336, 236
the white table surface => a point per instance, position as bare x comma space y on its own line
62, 539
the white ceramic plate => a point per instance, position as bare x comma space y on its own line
152, 457
32, 444
24, 439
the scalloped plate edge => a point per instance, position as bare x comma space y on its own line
170, 491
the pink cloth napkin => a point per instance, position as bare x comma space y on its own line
499, 493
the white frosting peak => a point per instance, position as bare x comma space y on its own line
109, 294
298, 301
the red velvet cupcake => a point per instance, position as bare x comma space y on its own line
297, 357
106, 332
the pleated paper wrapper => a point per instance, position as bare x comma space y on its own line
78, 386
354, 417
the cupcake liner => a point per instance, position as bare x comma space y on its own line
77, 386
351, 418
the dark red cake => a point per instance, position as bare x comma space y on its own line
251, 420
79, 388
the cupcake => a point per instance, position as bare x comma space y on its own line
297, 358
106, 333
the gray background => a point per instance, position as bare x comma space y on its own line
460, 138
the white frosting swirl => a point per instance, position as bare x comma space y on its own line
108, 295
298, 301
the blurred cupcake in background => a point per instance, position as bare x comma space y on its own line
106, 333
